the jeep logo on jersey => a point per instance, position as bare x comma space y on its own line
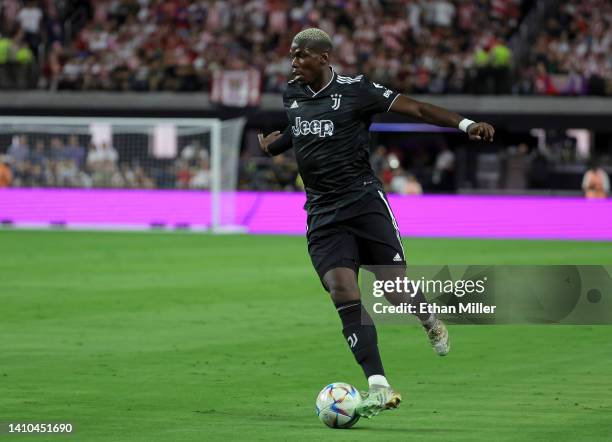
322, 128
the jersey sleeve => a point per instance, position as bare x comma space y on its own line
282, 144
375, 98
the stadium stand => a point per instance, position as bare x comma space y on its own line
416, 46
434, 47
572, 53
147, 45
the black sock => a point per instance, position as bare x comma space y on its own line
360, 333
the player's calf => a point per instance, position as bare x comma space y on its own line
437, 333
360, 334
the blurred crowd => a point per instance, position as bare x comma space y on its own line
572, 55
65, 161
432, 166
417, 46
58, 162
514, 168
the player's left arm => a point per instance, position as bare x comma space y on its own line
441, 117
276, 142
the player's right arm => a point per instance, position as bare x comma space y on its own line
441, 117
376, 98
275, 143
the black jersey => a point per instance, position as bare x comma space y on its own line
330, 137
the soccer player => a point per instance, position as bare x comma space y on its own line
350, 222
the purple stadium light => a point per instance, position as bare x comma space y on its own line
409, 127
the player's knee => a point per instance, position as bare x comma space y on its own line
343, 292
392, 274
342, 285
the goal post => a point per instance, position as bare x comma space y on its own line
225, 157
196, 154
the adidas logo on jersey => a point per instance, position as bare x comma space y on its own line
322, 128
397, 258
294, 105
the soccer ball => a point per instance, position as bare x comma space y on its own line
336, 405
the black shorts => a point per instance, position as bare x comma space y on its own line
363, 233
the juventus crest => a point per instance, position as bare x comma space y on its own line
336, 101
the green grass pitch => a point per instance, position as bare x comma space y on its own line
189, 337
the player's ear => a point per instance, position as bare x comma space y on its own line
324, 57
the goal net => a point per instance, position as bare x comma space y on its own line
197, 155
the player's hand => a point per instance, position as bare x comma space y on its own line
481, 132
264, 142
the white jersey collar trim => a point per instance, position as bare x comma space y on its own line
333, 77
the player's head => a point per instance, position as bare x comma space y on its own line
310, 51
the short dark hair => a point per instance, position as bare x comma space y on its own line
313, 38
